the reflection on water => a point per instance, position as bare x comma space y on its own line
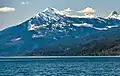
60, 67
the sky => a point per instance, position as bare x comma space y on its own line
13, 12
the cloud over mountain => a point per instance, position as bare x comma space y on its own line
87, 10
68, 10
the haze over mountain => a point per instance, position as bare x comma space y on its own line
53, 32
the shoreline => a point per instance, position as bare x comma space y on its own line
4, 57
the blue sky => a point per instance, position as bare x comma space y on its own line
24, 9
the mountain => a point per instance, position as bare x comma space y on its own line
114, 14
53, 32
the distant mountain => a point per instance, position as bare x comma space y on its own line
53, 32
114, 14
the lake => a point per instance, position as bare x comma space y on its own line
60, 66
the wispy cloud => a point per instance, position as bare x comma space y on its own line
7, 9
87, 10
25, 2
68, 10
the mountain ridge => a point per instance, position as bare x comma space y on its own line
51, 28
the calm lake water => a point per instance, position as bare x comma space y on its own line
62, 66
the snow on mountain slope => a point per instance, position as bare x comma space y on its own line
56, 18
84, 24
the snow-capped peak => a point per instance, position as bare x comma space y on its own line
49, 9
53, 10
114, 14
